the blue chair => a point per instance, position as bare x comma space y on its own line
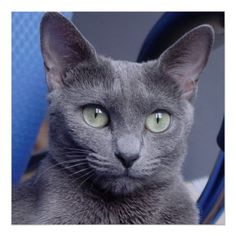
211, 201
165, 32
28, 88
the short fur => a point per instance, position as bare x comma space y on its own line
82, 181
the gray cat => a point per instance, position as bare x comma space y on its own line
118, 132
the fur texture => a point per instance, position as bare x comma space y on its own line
82, 181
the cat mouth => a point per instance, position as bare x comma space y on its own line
127, 174
119, 183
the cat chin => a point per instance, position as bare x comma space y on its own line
120, 185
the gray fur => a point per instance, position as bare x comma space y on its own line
81, 181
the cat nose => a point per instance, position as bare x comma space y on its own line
126, 160
127, 149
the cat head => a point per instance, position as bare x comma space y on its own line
120, 125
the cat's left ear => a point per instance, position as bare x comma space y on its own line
185, 60
63, 47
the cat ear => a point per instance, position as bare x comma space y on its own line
62, 47
186, 59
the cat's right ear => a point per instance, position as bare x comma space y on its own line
63, 47
185, 59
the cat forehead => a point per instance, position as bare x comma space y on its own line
120, 84
108, 75
128, 76
126, 68
143, 82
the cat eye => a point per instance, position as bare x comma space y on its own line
158, 121
95, 116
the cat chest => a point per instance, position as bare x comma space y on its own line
115, 213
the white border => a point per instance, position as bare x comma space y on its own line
119, 5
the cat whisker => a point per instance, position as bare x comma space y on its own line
79, 171
98, 162
78, 164
150, 168
76, 155
153, 161
147, 172
102, 169
80, 160
97, 157
92, 174
53, 166
78, 149
81, 177
82, 155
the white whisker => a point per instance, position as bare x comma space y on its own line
77, 172
84, 175
92, 174
59, 163
77, 164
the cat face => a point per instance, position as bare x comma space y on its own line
117, 125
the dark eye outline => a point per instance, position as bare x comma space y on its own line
99, 107
161, 111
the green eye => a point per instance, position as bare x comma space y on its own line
95, 116
158, 121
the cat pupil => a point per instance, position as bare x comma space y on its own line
158, 117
